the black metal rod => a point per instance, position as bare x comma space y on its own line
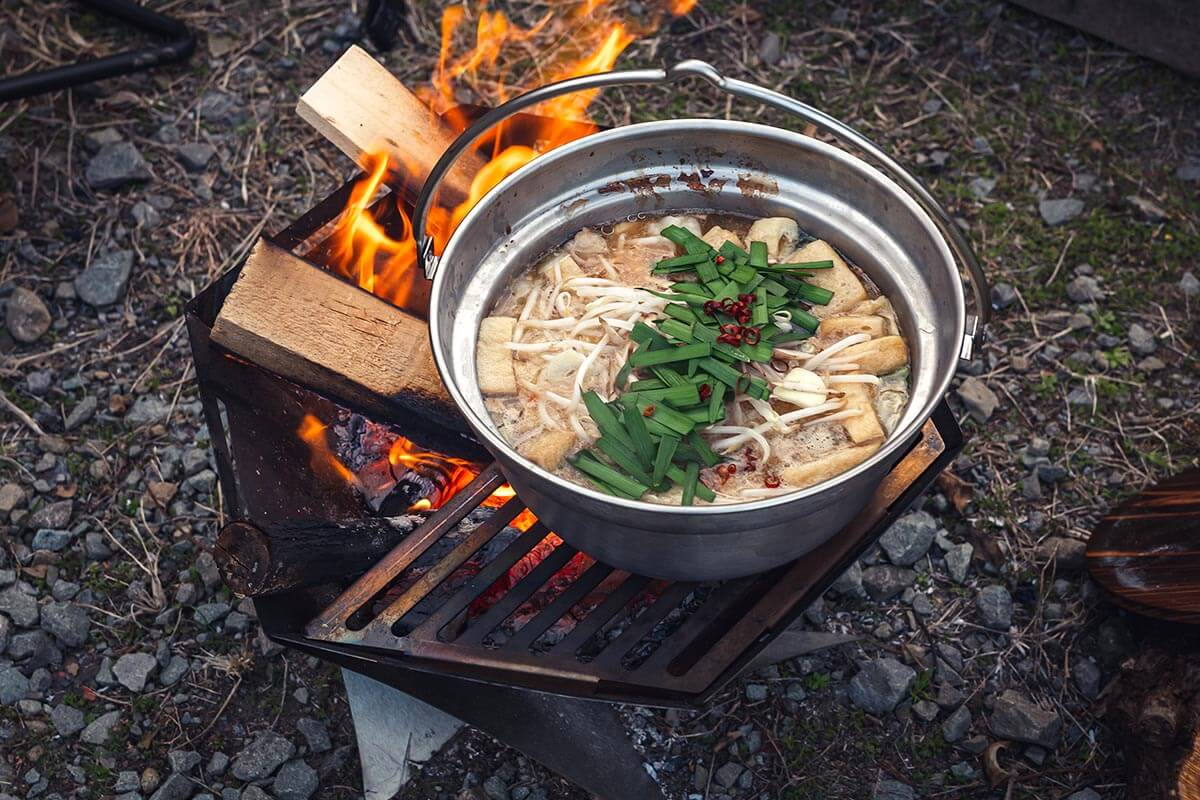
179, 48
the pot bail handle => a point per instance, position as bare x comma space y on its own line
843, 133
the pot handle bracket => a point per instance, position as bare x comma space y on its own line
976, 324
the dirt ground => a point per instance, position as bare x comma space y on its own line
127, 668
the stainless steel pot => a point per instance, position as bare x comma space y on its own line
885, 221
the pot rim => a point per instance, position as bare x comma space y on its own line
901, 437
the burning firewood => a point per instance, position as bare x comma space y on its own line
300, 322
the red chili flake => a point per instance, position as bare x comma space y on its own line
711, 307
747, 298
751, 335
731, 329
725, 471
744, 317
648, 411
719, 259
705, 391
771, 480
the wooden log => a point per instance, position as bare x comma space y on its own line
306, 325
361, 107
292, 555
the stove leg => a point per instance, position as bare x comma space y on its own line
582, 740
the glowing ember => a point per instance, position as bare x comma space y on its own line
494, 58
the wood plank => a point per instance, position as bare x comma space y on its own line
1164, 30
298, 321
361, 107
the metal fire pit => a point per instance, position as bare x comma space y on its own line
533, 698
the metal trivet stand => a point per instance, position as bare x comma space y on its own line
540, 700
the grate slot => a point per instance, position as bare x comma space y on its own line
444, 568
589, 580
459, 601
695, 631
602, 613
517, 594
656, 612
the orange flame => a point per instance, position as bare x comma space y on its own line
312, 432
494, 59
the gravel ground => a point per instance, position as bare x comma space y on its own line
127, 669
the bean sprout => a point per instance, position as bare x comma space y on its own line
577, 396
837, 347
742, 436
852, 379
847, 414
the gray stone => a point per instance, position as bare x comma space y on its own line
20, 607
183, 760
38, 381
147, 409
494, 787
104, 675
884, 582
956, 725
1067, 554
217, 764
67, 721
1057, 212
54, 515
958, 561
83, 411
1003, 295
981, 401
1141, 341
262, 756
50, 539
211, 613
117, 165
206, 566
995, 607
63, 590
95, 547
756, 692
134, 669
101, 728
926, 710
728, 773
34, 649
104, 281
194, 459
255, 793
1085, 794
175, 669
145, 215
27, 316
11, 496
1190, 284
888, 789
195, 156
909, 538
1082, 396
1015, 716
127, 781
850, 582
175, 787
880, 685
295, 781
5, 632
1149, 210
981, 187
14, 686
1187, 171
66, 622
1085, 289
315, 734
771, 49
1086, 674
95, 140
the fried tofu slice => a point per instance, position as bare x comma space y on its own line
780, 234
865, 427
834, 328
828, 466
847, 289
878, 356
548, 449
567, 267
716, 236
493, 360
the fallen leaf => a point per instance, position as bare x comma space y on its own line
957, 491
66, 492
9, 217
996, 774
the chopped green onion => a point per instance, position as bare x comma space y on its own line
805, 265
743, 273
605, 419
635, 424
662, 459
716, 403
679, 330
588, 464
677, 475
668, 376
681, 313
690, 480
796, 334
705, 452
689, 288
722, 372
731, 251
815, 294
667, 417
677, 235
647, 385
774, 287
758, 254
680, 263
760, 351
760, 315
624, 458
649, 358
685, 394
707, 271
803, 318
647, 337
